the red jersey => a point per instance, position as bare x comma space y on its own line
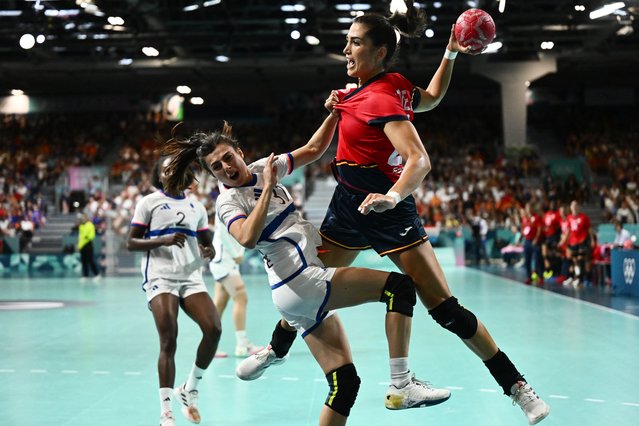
530, 226
552, 223
579, 228
366, 160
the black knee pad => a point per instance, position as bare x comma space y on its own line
455, 318
344, 384
399, 294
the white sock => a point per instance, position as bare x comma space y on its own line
240, 338
194, 378
165, 400
400, 374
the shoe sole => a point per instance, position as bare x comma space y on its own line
190, 413
259, 374
395, 403
540, 418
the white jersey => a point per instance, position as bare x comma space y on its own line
161, 215
227, 249
289, 242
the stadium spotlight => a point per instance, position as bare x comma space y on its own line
27, 41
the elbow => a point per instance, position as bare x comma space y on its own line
248, 243
424, 164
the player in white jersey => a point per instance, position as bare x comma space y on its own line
229, 285
259, 213
173, 231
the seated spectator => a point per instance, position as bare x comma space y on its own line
514, 250
621, 235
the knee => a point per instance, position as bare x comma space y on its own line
214, 331
168, 340
240, 297
343, 386
455, 318
399, 294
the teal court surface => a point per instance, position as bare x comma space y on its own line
78, 354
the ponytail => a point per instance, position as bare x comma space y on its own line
184, 152
381, 30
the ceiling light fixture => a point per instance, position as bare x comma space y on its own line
606, 10
27, 41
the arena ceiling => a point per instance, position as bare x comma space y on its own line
84, 49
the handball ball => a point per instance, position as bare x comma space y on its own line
475, 28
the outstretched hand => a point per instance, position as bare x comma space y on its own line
377, 203
331, 101
207, 252
454, 46
270, 172
177, 239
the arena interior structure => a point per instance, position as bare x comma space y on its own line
88, 88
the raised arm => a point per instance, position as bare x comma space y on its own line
321, 139
434, 93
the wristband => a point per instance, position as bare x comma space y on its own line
395, 196
450, 55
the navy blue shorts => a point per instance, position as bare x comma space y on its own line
388, 232
581, 249
552, 241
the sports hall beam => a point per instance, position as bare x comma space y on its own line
512, 76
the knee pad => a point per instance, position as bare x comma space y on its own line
455, 318
399, 294
343, 385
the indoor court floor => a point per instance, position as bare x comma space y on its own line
75, 354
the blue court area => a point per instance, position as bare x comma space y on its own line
77, 354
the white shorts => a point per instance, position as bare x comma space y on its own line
181, 289
301, 301
223, 266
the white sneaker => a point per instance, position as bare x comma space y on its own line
253, 367
188, 400
247, 350
533, 407
167, 419
414, 395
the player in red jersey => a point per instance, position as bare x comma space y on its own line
562, 247
552, 235
380, 162
531, 230
579, 250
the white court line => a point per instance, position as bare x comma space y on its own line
558, 396
101, 372
571, 298
38, 371
69, 371
454, 387
631, 404
226, 376
594, 400
133, 373
488, 390
7, 370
